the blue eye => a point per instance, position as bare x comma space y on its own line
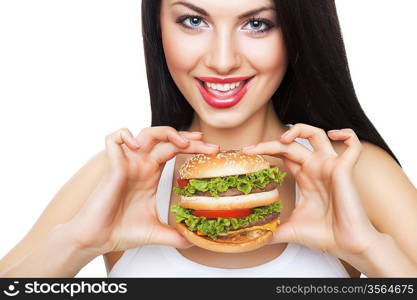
260, 25
194, 21
190, 22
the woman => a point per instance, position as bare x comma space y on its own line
286, 63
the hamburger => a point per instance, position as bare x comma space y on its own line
229, 201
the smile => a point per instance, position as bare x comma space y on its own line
223, 93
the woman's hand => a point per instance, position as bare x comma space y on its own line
121, 212
329, 216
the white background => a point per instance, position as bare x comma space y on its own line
73, 71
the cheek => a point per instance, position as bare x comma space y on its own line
267, 55
182, 51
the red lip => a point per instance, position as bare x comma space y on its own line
227, 101
223, 80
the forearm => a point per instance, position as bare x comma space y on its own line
384, 259
56, 256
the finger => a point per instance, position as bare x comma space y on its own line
166, 151
316, 136
195, 135
166, 235
126, 137
284, 234
115, 140
354, 147
294, 151
292, 166
150, 136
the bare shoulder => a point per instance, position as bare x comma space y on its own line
62, 207
380, 179
376, 167
388, 195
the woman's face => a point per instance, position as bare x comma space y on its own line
223, 40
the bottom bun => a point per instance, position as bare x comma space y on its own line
243, 242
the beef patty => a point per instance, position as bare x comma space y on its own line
265, 220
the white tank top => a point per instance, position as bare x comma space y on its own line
165, 261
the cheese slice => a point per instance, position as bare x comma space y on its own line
272, 226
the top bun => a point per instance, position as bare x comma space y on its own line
224, 163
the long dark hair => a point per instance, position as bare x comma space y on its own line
317, 88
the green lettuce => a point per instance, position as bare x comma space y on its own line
212, 227
244, 183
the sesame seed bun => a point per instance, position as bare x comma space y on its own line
224, 163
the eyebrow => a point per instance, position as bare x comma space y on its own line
204, 13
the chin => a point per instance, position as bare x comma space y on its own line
225, 119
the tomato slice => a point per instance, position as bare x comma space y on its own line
234, 213
182, 183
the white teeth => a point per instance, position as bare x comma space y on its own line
223, 87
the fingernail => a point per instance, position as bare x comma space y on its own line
184, 139
285, 134
248, 147
197, 132
212, 145
333, 130
135, 143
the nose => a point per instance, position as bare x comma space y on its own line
223, 55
